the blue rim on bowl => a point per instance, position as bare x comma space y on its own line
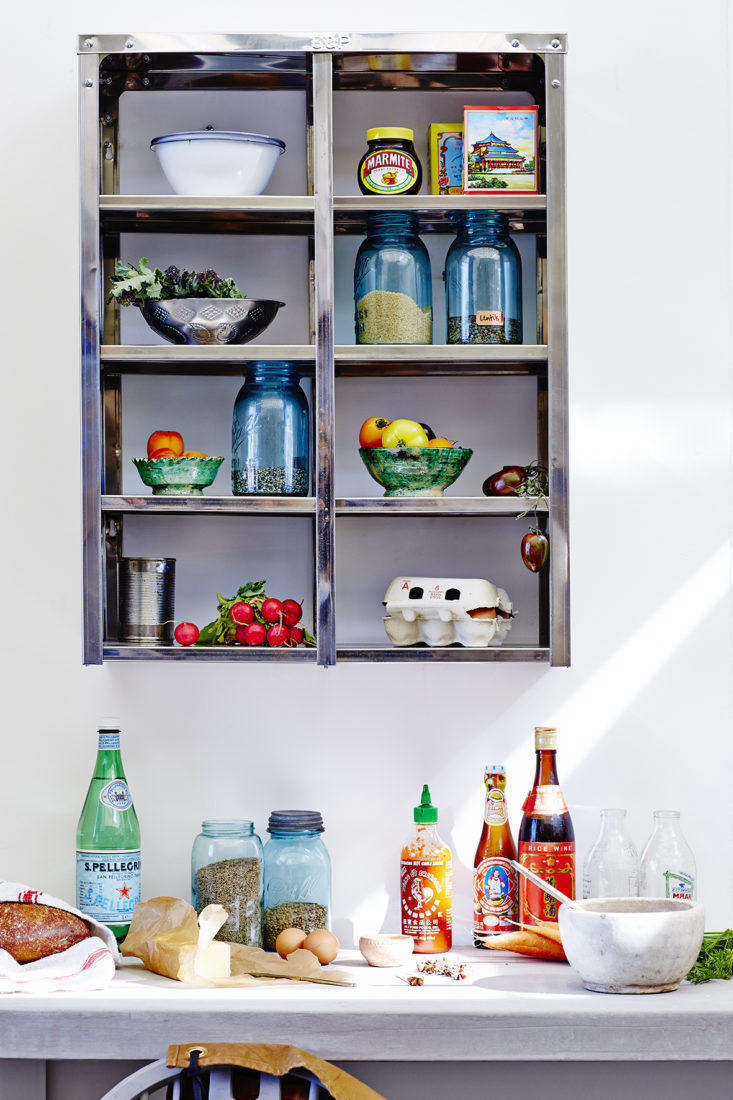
224, 135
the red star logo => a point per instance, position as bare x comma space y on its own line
124, 890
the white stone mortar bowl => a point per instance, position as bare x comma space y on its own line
386, 950
631, 945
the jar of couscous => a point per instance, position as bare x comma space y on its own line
393, 294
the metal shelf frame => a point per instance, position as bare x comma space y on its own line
322, 65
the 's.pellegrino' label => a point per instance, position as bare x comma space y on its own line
116, 795
388, 172
108, 884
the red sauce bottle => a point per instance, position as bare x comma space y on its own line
426, 883
546, 836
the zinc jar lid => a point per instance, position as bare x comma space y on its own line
379, 132
295, 821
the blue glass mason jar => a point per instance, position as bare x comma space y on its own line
393, 292
483, 281
297, 875
226, 869
271, 433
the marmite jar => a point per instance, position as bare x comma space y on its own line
390, 165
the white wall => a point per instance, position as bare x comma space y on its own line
645, 711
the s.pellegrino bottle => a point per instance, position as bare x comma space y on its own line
108, 840
494, 878
546, 837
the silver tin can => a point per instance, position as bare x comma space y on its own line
147, 588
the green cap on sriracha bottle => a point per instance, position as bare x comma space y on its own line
426, 813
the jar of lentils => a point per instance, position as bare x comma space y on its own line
483, 281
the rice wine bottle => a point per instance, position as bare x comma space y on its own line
108, 840
546, 836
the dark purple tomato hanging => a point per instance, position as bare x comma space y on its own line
535, 549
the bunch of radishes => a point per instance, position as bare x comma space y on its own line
250, 617
283, 617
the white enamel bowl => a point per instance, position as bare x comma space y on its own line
204, 162
631, 945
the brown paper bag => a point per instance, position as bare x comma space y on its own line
275, 1059
169, 939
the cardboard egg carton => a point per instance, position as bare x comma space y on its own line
440, 611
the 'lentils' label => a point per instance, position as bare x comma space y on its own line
388, 172
494, 896
108, 884
490, 317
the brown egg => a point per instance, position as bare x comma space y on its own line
323, 944
289, 940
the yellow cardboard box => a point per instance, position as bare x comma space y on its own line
445, 150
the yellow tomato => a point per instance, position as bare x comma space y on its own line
440, 442
194, 454
404, 433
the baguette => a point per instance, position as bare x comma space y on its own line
31, 932
526, 943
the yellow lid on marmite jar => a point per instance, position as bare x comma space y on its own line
545, 737
379, 133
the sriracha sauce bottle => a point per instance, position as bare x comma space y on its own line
546, 836
426, 883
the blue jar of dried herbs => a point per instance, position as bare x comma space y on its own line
271, 432
297, 875
226, 869
483, 281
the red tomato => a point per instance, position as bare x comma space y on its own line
165, 437
370, 433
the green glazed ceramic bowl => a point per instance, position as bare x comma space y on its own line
177, 477
415, 471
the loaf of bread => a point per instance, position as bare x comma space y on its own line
31, 932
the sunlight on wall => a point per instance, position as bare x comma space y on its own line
606, 693
370, 914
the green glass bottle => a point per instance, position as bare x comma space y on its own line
108, 840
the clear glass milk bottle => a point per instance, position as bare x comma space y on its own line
611, 868
668, 867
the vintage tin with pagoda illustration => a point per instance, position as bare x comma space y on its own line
500, 150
